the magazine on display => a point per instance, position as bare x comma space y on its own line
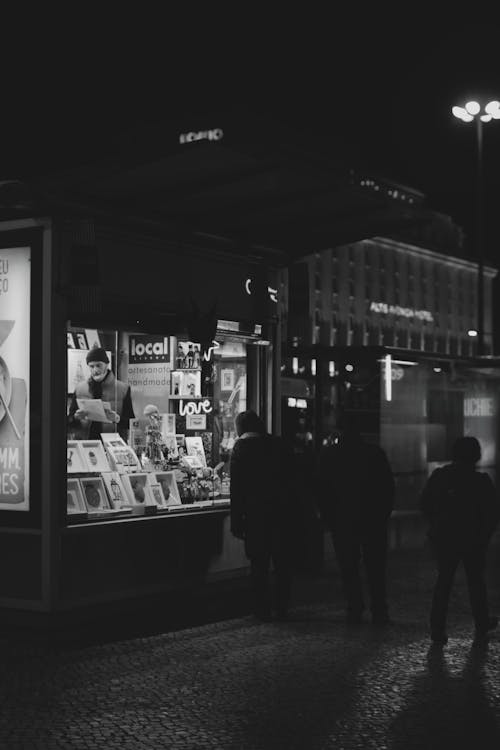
94, 494
157, 493
121, 456
75, 501
194, 448
94, 455
138, 489
114, 487
75, 461
170, 491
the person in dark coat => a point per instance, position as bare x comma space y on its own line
354, 490
262, 511
461, 507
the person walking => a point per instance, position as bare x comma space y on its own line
262, 512
462, 509
354, 489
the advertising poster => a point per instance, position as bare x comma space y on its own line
148, 370
15, 283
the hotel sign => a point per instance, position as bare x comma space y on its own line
402, 312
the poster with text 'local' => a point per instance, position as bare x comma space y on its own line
15, 282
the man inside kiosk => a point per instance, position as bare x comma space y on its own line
114, 396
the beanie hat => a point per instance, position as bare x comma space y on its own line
97, 354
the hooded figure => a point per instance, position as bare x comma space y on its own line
461, 507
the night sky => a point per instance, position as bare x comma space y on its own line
377, 91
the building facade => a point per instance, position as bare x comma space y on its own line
383, 292
379, 329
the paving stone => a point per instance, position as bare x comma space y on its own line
311, 683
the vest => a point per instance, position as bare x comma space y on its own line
114, 391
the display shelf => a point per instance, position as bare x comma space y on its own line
157, 518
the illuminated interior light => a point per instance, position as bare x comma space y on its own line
437, 369
331, 368
472, 333
208, 354
292, 401
273, 293
313, 367
349, 368
295, 365
247, 286
301, 403
388, 377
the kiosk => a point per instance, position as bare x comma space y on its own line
121, 511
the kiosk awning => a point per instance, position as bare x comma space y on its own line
253, 188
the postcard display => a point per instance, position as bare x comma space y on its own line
176, 457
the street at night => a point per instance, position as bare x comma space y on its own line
311, 683
249, 332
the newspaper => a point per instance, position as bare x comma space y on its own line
95, 409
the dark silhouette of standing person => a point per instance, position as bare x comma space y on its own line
354, 490
462, 509
262, 511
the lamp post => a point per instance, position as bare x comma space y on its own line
473, 112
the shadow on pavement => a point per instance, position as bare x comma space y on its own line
448, 705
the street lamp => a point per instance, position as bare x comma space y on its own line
473, 112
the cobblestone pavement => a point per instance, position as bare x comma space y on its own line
312, 682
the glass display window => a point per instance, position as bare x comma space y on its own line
152, 404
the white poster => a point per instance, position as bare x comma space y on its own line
196, 421
15, 286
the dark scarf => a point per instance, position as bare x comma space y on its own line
95, 387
